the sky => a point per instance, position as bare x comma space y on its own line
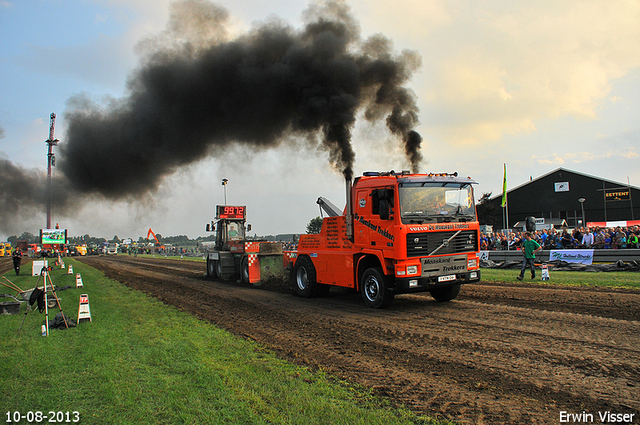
533, 85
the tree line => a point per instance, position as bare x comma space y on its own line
314, 226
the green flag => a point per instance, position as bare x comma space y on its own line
504, 188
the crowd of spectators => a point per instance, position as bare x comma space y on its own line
584, 238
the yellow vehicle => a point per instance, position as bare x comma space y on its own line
5, 249
81, 250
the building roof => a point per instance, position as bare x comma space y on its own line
499, 195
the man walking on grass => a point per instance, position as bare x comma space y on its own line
530, 247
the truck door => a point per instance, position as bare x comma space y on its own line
382, 216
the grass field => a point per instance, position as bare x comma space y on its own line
142, 362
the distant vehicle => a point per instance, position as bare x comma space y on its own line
5, 249
111, 249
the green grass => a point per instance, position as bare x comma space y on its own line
142, 362
629, 280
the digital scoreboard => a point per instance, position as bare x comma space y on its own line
229, 212
53, 236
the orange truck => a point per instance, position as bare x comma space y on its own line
399, 233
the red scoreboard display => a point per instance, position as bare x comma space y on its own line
225, 211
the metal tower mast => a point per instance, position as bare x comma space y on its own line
51, 161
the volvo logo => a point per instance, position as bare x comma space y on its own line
445, 242
416, 240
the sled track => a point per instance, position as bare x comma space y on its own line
508, 354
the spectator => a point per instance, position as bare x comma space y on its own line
577, 237
599, 240
567, 240
543, 236
530, 249
632, 242
484, 242
551, 240
17, 258
620, 241
587, 239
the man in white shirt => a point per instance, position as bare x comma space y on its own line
587, 239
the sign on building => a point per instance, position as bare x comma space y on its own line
616, 195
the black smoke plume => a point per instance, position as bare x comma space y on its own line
23, 194
198, 92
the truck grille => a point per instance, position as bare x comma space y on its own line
422, 244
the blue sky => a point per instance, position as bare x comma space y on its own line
535, 85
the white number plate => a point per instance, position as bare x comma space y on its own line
447, 278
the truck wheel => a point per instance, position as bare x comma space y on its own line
304, 279
211, 268
375, 290
244, 270
445, 294
218, 266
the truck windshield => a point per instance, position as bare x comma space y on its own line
436, 202
235, 231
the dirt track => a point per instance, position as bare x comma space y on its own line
497, 354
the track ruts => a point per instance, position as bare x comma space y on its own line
499, 354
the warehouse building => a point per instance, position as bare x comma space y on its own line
565, 196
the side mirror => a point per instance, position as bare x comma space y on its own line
208, 227
248, 227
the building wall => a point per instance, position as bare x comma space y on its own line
555, 195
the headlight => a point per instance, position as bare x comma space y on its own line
472, 263
412, 269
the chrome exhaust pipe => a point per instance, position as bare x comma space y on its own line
349, 218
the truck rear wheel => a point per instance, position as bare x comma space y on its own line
211, 268
445, 294
375, 288
304, 279
244, 270
218, 266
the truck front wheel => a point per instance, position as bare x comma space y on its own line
445, 294
375, 288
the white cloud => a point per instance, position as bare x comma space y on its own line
499, 67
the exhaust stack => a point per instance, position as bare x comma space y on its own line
349, 219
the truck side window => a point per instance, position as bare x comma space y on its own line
382, 202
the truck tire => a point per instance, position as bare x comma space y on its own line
244, 270
375, 288
304, 279
445, 294
218, 265
211, 268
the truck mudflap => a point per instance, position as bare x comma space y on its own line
407, 285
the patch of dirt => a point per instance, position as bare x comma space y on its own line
6, 265
499, 354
